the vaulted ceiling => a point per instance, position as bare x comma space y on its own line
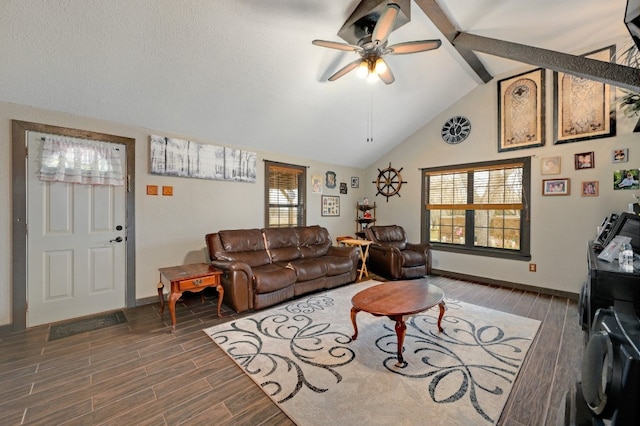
244, 73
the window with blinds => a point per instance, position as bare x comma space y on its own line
285, 195
481, 206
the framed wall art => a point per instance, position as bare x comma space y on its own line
584, 160
180, 157
330, 179
521, 111
589, 188
620, 155
343, 187
556, 186
583, 109
330, 205
316, 184
550, 166
355, 182
626, 179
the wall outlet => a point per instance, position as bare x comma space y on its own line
532, 267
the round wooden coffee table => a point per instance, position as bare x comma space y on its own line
397, 300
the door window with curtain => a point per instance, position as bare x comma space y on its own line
285, 189
479, 208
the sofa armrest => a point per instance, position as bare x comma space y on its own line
237, 280
343, 251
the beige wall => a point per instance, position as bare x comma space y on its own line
170, 230
560, 226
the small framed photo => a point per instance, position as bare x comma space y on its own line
585, 160
316, 184
330, 205
620, 155
589, 188
556, 186
355, 182
550, 166
343, 187
626, 179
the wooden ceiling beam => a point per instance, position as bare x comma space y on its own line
444, 25
604, 72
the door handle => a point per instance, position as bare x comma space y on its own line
116, 240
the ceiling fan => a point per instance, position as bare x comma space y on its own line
372, 47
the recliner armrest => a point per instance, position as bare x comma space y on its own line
419, 247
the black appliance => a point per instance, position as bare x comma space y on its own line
609, 390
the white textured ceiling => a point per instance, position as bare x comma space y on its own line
244, 73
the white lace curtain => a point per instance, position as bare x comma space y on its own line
83, 161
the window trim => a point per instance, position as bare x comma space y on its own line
524, 254
302, 189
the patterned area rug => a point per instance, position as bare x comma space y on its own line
302, 356
86, 324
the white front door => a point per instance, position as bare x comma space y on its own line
76, 252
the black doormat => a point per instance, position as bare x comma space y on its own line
86, 324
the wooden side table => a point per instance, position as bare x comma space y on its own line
364, 253
195, 278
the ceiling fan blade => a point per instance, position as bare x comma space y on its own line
342, 71
385, 24
337, 45
387, 75
413, 47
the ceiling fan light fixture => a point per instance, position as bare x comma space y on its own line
381, 66
372, 78
363, 69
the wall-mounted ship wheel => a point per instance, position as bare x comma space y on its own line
389, 182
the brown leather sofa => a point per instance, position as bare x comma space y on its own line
263, 267
391, 256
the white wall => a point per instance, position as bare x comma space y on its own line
560, 225
170, 230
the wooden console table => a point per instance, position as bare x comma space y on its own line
195, 278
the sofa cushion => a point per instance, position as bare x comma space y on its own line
337, 265
391, 235
241, 245
412, 258
272, 277
309, 269
282, 244
314, 241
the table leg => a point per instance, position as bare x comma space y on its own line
161, 296
401, 329
364, 253
173, 298
220, 296
354, 312
442, 309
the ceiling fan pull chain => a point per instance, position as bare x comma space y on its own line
370, 116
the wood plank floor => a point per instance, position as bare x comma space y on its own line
138, 373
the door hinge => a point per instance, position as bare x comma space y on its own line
26, 151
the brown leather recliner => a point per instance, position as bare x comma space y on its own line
391, 256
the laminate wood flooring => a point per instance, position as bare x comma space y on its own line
138, 373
